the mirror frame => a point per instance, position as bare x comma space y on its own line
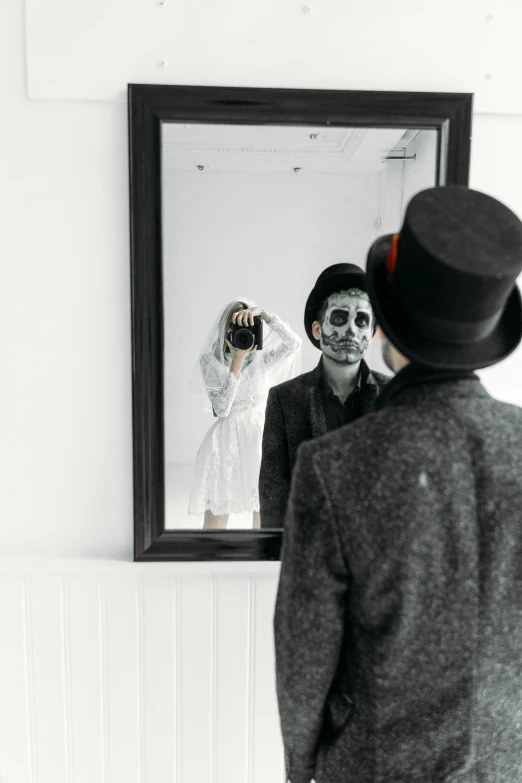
149, 106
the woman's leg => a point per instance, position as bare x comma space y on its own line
256, 520
215, 521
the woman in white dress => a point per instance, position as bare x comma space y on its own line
236, 385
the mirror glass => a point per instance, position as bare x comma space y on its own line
254, 214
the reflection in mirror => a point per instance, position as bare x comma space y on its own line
251, 216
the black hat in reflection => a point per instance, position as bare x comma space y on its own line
338, 277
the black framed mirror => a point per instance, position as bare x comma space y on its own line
245, 195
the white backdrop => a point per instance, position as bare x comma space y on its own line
266, 237
65, 413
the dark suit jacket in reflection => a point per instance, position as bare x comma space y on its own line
295, 413
398, 622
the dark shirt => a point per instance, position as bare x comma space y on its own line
337, 414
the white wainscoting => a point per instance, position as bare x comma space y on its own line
138, 673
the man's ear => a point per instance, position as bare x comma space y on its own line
316, 330
381, 333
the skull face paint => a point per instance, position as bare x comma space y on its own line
347, 326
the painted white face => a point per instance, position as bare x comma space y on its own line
346, 329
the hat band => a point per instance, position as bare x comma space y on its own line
442, 330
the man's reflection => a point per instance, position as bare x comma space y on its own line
339, 321
236, 367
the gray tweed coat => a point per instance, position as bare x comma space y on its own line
398, 621
295, 413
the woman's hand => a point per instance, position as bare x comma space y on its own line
238, 356
246, 317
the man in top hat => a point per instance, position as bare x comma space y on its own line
339, 322
398, 622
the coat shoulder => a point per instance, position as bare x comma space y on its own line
380, 378
384, 433
289, 388
502, 417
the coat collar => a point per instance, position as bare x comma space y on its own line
415, 380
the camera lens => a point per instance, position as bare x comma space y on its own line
243, 339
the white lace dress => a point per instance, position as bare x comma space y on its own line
226, 475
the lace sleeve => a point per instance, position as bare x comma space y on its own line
288, 343
221, 385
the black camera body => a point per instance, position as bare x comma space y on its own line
245, 337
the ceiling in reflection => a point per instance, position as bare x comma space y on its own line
272, 148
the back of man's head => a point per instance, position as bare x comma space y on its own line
444, 290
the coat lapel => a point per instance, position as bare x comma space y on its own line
369, 390
317, 414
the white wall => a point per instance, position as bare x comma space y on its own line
123, 672
86, 672
496, 170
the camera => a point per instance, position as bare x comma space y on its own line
245, 337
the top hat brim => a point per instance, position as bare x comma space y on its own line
323, 288
418, 348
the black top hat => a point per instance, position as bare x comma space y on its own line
339, 277
444, 289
